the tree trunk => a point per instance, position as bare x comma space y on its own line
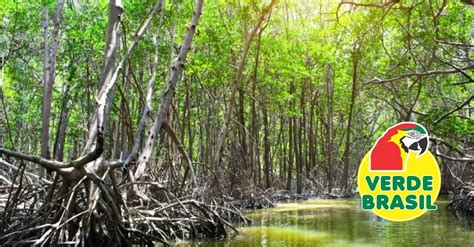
167, 96
58, 152
290, 154
147, 105
100, 118
282, 144
347, 150
46, 109
111, 41
266, 147
297, 153
49, 67
253, 108
329, 131
242, 132
312, 134
235, 85
302, 156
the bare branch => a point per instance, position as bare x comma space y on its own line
58, 165
178, 143
468, 2
3, 162
461, 159
367, 5
462, 83
454, 110
422, 74
454, 43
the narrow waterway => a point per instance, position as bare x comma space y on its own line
343, 223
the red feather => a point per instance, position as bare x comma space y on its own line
386, 154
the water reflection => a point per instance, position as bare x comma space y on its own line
343, 223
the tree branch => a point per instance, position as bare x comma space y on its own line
58, 165
3, 162
462, 159
454, 110
368, 5
183, 152
422, 74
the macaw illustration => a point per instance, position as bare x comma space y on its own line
391, 151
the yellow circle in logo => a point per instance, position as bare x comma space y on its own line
402, 194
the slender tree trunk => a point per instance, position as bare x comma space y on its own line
242, 132
312, 134
111, 41
114, 139
290, 154
347, 150
147, 105
329, 131
253, 108
62, 126
46, 110
293, 140
167, 96
296, 147
266, 147
188, 120
49, 67
282, 144
301, 154
100, 118
235, 85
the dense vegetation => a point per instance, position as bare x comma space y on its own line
247, 96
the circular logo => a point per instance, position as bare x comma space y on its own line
399, 178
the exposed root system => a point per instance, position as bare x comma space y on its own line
116, 214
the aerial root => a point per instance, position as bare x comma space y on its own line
94, 211
463, 201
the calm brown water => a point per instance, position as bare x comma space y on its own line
343, 223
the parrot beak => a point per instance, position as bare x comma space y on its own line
423, 145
